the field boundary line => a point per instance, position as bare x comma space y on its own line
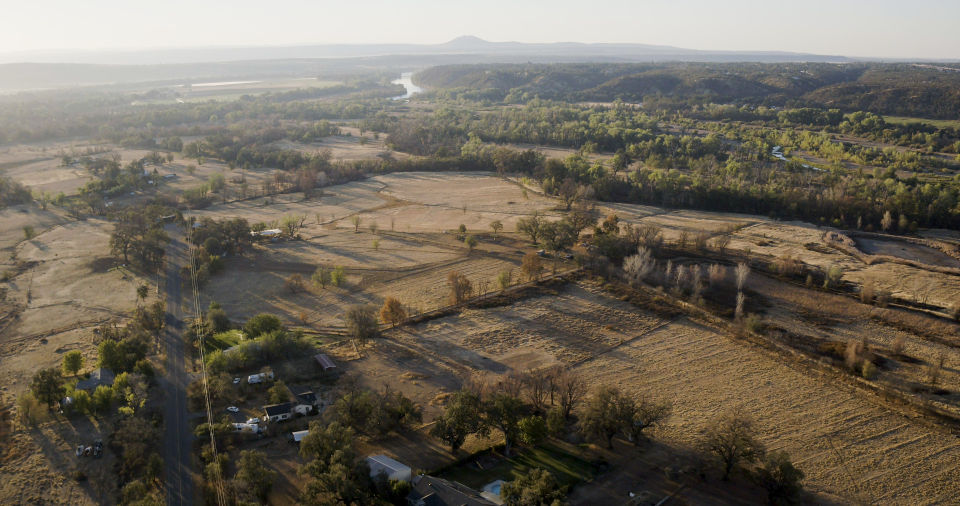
660, 325
797, 360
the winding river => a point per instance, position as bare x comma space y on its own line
408, 84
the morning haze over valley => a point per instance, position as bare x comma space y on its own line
635, 254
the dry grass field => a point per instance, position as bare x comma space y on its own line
852, 447
840, 440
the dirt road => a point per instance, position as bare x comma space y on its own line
177, 436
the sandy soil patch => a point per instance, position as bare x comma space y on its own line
908, 251
910, 283
14, 218
49, 175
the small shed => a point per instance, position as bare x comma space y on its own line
325, 362
393, 469
299, 435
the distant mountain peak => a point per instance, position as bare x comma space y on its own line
466, 40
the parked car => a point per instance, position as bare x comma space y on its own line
253, 420
233, 409
79, 450
236, 380
97, 448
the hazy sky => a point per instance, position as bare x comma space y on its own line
890, 28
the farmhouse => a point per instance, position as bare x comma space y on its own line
278, 412
393, 469
306, 400
325, 362
430, 491
98, 377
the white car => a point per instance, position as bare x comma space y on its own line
233, 409
236, 380
253, 420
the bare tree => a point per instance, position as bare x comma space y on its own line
636, 416
554, 373
573, 388
295, 282
898, 343
740, 301
721, 242
730, 440
512, 383
682, 240
743, 272
700, 241
696, 273
887, 221
681, 275
788, 265
362, 323
934, 369
538, 387
478, 385
639, 266
460, 288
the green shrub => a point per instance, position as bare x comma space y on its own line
753, 323
263, 323
533, 430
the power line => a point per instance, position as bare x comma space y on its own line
218, 485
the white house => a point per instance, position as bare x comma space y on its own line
393, 469
278, 412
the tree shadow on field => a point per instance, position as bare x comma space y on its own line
447, 350
61, 431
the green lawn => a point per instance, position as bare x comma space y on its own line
222, 341
567, 468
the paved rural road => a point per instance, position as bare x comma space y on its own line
177, 437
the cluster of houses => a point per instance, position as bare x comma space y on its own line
305, 403
426, 491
